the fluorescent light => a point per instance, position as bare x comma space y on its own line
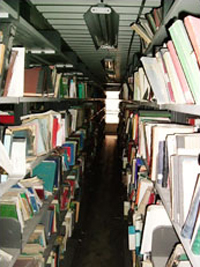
103, 24
101, 10
42, 51
64, 66
4, 15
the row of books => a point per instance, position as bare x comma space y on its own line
48, 176
149, 23
38, 80
173, 73
38, 134
22, 201
158, 151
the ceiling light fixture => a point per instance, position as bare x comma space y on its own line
103, 24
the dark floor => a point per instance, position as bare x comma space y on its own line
103, 233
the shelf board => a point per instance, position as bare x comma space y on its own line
186, 109
182, 108
9, 100
17, 100
165, 196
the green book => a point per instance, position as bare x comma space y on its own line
63, 88
186, 57
154, 113
81, 90
8, 210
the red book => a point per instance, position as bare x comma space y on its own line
7, 119
55, 131
64, 198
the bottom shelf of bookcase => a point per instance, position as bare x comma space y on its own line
29, 228
165, 197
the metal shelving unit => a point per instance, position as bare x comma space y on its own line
165, 196
178, 7
28, 230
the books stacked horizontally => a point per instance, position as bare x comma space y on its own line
173, 73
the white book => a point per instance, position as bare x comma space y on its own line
156, 216
159, 133
16, 85
5, 161
156, 80
18, 157
137, 91
144, 84
176, 86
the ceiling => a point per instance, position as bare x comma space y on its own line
66, 16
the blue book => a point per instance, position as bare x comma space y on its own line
70, 150
33, 201
46, 171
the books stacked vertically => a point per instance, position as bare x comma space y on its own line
38, 134
147, 25
155, 150
42, 132
185, 52
21, 202
50, 220
68, 86
70, 184
49, 171
141, 86
174, 72
38, 82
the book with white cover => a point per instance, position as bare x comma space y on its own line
156, 80
159, 133
176, 86
156, 216
16, 84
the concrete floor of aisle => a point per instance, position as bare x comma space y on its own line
103, 241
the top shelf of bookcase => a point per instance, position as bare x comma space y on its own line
177, 10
